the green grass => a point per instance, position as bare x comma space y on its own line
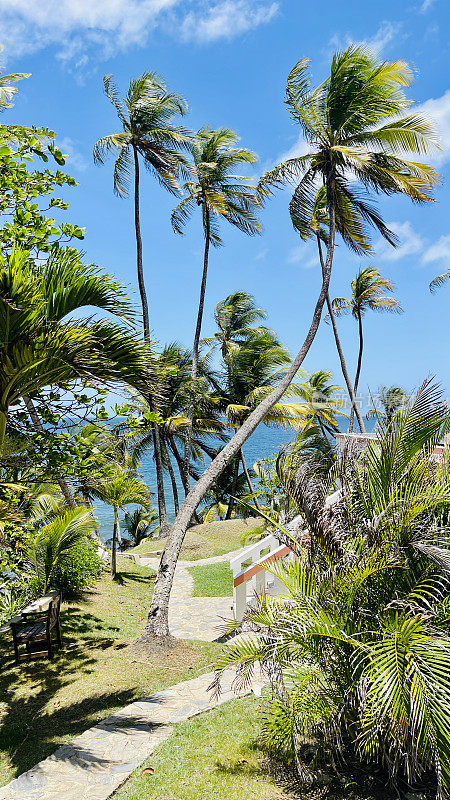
212, 580
216, 756
211, 757
46, 703
210, 539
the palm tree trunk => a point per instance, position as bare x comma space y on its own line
3, 423
140, 268
351, 391
60, 479
158, 617
114, 544
173, 480
249, 480
358, 368
232, 501
164, 526
195, 347
180, 462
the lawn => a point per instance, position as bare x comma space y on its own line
46, 703
212, 580
210, 539
211, 757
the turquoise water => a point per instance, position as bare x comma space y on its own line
262, 444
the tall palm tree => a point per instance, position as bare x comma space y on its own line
319, 406
357, 129
235, 318
220, 195
120, 489
148, 116
41, 346
367, 294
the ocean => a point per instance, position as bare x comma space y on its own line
264, 443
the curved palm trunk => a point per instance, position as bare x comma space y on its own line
60, 479
195, 347
249, 480
358, 368
173, 480
158, 617
351, 390
114, 544
164, 526
232, 501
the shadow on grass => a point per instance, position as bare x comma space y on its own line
31, 728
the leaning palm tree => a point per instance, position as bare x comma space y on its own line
367, 294
148, 116
220, 195
120, 489
357, 130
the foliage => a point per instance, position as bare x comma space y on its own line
78, 570
141, 524
55, 542
357, 651
390, 399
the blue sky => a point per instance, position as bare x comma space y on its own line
230, 58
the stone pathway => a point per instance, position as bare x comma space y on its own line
100, 760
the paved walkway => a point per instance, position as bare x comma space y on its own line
96, 763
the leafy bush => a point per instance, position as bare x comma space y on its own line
78, 570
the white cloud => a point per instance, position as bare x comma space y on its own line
410, 243
439, 251
426, 5
74, 158
303, 255
385, 34
84, 31
226, 19
438, 111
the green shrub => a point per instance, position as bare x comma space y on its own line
78, 570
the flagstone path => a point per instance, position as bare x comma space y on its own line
98, 761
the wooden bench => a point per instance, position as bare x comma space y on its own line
35, 626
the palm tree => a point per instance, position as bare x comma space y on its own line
249, 374
235, 318
44, 347
356, 652
367, 294
147, 114
439, 281
357, 131
141, 523
118, 490
56, 539
391, 399
220, 195
7, 89
319, 406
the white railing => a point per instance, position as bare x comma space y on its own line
253, 578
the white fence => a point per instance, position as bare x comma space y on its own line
252, 578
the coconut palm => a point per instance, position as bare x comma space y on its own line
120, 489
235, 318
7, 88
357, 129
391, 399
367, 294
141, 523
439, 281
220, 195
319, 406
148, 115
44, 347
